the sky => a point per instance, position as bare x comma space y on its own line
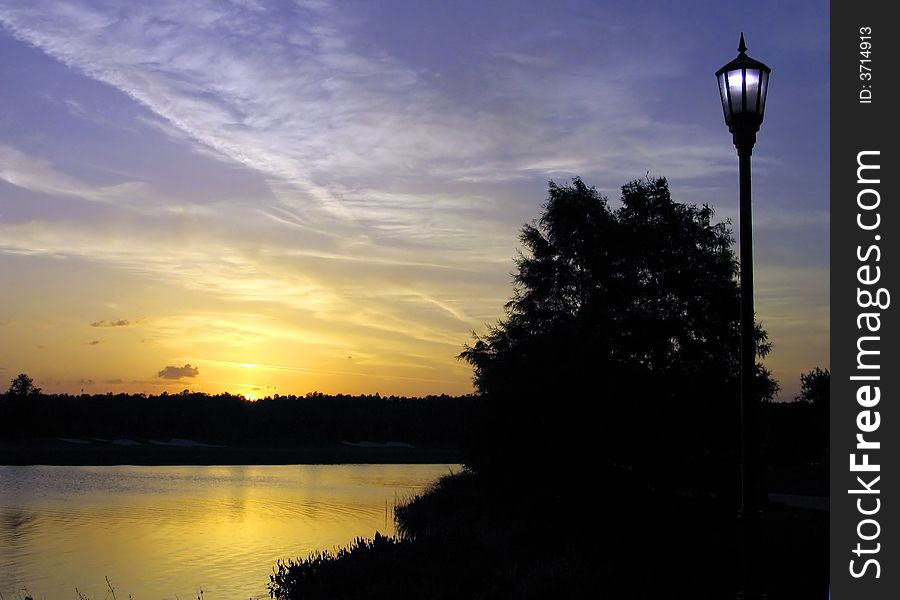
286, 197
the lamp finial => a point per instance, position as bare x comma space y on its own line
742, 47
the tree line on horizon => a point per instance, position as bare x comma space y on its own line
26, 413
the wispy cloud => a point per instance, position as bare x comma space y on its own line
294, 93
38, 175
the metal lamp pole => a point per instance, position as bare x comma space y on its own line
743, 84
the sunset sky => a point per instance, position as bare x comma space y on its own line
281, 197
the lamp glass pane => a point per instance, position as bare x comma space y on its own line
763, 88
752, 78
724, 93
735, 88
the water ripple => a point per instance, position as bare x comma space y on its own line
161, 531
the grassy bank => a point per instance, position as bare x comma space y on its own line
468, 538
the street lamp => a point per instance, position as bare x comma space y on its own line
743, 84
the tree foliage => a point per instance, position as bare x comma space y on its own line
23, 385
815, 388
635, 310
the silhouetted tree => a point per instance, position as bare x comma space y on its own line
815, 388
23, 385
636, 310
797, 433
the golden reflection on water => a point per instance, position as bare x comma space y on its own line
158, 532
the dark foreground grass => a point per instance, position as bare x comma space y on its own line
468, 538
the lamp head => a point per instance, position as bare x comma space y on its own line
743, 84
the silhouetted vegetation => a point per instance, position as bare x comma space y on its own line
815, 388
22, 386
468, 563
795, 435
311, 418
633, 312
605, 459
468, 539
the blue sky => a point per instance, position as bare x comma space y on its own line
326, 195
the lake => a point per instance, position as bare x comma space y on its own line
167, 532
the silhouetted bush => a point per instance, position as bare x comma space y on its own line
621, 341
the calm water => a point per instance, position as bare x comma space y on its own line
162, 532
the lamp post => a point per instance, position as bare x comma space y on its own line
743, 84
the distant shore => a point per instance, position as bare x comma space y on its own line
101, 452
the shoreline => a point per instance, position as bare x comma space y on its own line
57, 452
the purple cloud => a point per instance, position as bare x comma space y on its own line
172, 372
104, 323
